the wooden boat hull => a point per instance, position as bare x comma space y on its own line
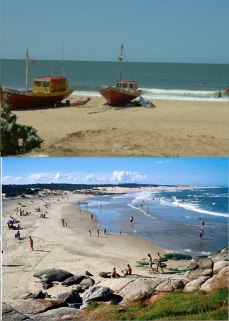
115, 96
28, 99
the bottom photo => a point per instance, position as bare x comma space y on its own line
115, 238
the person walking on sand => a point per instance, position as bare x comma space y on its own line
31, 243
89, 232
159, 262
150, 262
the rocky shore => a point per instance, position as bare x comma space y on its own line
203, 273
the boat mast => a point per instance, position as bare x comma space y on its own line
26, 69
120, 64
62, 58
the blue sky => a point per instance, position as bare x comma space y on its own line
151, 30
189, 171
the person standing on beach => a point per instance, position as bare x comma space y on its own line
150, 261
89, 232
31, 243
62, 221
98, 233
92, 216
159, 262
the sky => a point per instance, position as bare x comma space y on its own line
193, 31
113, 170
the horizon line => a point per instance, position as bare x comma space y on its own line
129, 61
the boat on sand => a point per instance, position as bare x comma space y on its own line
123, 92
46, 91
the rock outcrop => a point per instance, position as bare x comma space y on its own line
203, 273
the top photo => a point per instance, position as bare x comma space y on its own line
114, 78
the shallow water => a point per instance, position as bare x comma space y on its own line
170, 218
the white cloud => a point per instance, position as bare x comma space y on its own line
115, 177
127, 177
36, 177
12, 180
57, 176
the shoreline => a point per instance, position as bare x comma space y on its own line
69, 248
174, 128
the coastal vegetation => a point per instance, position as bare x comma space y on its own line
196, 305
15, 138
33, 189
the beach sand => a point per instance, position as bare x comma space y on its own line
174, 128
69, 248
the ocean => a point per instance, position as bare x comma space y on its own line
171, 217
179, 81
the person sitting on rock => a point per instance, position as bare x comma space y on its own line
128, 270
113, 273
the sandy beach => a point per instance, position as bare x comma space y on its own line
55, 246
173, 128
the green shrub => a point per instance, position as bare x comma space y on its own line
15, 138
176, 256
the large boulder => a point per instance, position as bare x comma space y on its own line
138, 289
164, 286
36, 306
218, 266
192, 266
9, 314
219, 280
169, 285
50, 275
195, 274
195, 284
75, 279
221, 256
205, 263
70, 297
97, 293
87, 282
63, 313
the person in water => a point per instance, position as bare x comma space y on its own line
131, 219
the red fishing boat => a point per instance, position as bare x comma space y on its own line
124, 91
46, 91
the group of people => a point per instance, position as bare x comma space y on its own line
127, 271
159, 262
98, 232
